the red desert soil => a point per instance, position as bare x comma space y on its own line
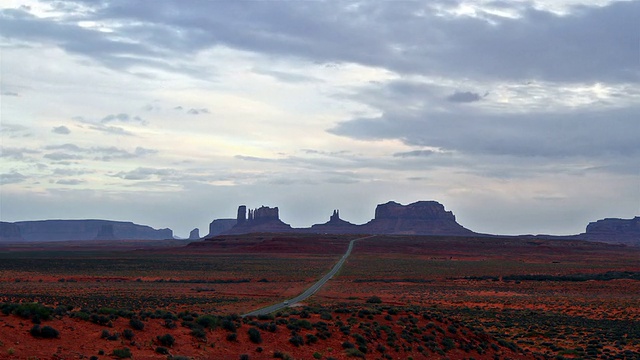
484, 287
81, 339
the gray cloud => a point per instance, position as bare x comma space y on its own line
62, 156
101, 153
10, 93
125, 118
556, 135
589, 44
62, 130
464, 97
71, 172
16, 153
144, 173
414, 153
70, 182
198, 111
12, 178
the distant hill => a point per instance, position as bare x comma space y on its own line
66, 230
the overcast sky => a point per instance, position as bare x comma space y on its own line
518, 116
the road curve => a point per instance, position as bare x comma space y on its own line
311, 290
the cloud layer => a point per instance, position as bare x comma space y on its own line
524, 107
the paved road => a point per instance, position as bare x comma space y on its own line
310, 291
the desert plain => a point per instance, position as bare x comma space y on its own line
396, 297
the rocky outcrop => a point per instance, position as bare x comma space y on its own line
419, 218
10, 232
262, 219
220, 226
64, 230
335, 225
622, 231
194, 234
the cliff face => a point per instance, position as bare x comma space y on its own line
219, 226
419, 218
10, 232
63, 230
623, 231
262, 219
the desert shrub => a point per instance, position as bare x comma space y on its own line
348, 345
81, 315
296, 340
166, 340
46, 332
374, 300
162, 350
311, 339
281, 355
448, 344
30, 310
128, 334
136, 324
254, 336
208, 321
326, 316
199, 333
123, 353
355, 353
229, 325
244, 357
169, 324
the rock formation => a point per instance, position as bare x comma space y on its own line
64, 230
419, 218
623, 231
262, 219
219, 226
10, 232
194, 234
335, 225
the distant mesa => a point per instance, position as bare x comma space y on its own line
418, 218
106, 233
70, 230
194, 234
623, 231
10, 232
262, 219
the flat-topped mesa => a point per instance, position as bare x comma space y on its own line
419, 218
421, 210
612, 230
10, 232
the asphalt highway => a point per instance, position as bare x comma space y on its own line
311, 290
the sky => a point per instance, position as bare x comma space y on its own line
521, 117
